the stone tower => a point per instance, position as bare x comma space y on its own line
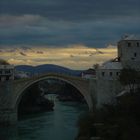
129, 52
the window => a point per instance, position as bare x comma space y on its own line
117, 73
103, 73
138, 44
7, 72
110, 73
135, 54
7, 78
129, 44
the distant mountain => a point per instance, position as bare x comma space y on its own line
47, 68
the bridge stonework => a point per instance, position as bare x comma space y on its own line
11, 93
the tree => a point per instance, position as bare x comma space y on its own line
3, 62
96, 66
129, 77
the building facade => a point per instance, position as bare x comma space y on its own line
129, 52
108, 85
88, 74
6, 73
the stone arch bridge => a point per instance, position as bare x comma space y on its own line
11, 92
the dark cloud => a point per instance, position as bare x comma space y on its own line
72, 9
22, 53
94, 23
39, 52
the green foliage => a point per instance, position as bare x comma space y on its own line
85, 125
96, 66
3, 62
129, 77
119, 122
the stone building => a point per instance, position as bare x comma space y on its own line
109, 70
129, 52
6, 72
88, 74
108, 85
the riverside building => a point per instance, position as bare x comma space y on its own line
6, 72
107, 75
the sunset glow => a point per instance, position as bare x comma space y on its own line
76, 56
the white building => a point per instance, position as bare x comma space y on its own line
109, 70
6, 72
108, 85
128, 57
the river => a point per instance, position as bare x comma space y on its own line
59, 124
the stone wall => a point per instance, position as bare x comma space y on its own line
93, 91
107, 91
8, 117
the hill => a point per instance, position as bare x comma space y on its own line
40, 69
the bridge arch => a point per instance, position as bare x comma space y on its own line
81, 86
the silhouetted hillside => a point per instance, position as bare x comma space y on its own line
47, 68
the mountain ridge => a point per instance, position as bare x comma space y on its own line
45, 68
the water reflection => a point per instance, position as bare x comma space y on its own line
8, 133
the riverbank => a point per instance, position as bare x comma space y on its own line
113, 122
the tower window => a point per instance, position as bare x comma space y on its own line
117, 73
135, 54
138, 44
103, 73
129, 44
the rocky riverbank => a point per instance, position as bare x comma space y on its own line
34, 101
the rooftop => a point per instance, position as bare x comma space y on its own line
6, 66
111, 65
130, 37
89, 71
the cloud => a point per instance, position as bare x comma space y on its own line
72, 9
36, 29
22, 53
22, 20
39, 52
94, 23
76, 56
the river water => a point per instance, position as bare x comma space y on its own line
59, 124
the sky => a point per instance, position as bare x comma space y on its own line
71, 33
